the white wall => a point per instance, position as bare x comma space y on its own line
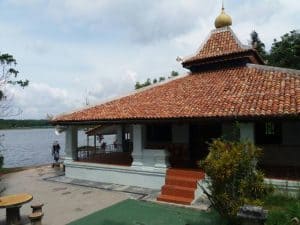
141, 177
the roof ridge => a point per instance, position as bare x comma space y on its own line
200, 47
273, 68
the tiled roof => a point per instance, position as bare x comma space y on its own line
220, 92
221, 42
249, 91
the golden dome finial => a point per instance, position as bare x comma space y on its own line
223, 20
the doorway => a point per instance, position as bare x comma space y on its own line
201, 135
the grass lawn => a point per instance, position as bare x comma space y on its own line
282, 209
132, 212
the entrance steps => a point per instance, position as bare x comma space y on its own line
180, 186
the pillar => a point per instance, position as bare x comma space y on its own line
247, 132
137, 153
119, 136
71, 143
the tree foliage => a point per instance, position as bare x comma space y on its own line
286, 52
233, 178
13, 124
283, 53
9, 76
258, 45
148, 82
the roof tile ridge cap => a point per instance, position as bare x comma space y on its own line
274, 68
200, 48
120, 96
241, 45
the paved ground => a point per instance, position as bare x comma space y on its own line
63, 202
133, 192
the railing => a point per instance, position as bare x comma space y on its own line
111, 154
90, 151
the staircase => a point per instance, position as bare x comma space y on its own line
180, 186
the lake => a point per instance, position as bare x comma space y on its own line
31, 147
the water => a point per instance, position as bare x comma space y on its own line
31, 147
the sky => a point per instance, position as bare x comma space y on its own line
73, 50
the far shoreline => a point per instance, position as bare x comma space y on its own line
26, 128
5, 170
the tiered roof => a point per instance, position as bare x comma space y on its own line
222, 45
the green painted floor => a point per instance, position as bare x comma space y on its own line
133, 212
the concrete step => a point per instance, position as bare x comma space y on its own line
180, 186
178, 191
186, 173
181, 181
175, 199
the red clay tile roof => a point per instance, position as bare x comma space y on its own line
249, 91
221, 42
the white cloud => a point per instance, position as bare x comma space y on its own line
144, 21
38, 100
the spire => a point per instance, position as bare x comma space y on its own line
223, 20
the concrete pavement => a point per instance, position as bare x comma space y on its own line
63, 202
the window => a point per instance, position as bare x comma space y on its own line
159, 133
268, 133
127, 136
270, 129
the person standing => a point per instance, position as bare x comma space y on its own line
55, 151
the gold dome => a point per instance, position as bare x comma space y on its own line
223, 20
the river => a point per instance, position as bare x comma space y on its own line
31, 147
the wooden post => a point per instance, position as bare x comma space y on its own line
95, 144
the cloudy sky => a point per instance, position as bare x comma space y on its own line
71, 50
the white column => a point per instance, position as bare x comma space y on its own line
247, 132
138, 145
71, 143
119, 137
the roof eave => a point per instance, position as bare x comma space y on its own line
295, 116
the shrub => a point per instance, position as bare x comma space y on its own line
234, 180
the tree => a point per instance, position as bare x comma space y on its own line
258, 45
174, 74
286, 52
9, 76
148, 82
